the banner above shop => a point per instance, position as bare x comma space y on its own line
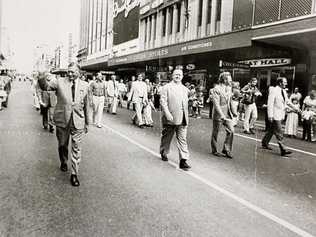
224, 64
267, 62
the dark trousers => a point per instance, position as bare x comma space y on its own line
44, 113
228, 144
274, 128
307, 130
63, 135
211, 110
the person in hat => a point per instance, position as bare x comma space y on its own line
71, 117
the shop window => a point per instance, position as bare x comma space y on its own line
164, 15
200, 12
179, 17
209, 11
170, 19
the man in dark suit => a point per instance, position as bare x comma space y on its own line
70, 117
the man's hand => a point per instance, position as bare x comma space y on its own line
169, 117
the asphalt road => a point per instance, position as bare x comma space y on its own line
126, 190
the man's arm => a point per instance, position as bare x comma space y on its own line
86, 111
164, 103
216, 104
270, 105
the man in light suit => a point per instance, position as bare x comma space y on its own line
70, 117
175, 118
277, 102
138, 96
112, 94
222, 114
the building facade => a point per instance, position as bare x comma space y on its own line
273, 37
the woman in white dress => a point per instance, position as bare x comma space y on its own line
292, 119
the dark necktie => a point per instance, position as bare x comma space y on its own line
73, 87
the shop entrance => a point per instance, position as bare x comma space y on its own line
268, 76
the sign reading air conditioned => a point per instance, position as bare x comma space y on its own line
267, 62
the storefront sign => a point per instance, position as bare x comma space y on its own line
224, 64
267, 62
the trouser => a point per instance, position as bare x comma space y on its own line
251, 115
211, 110
47, 116
98, 105
112, 104
138, 117
228, 143
307, 129
274, 128
181, 135
63, 135
120, 98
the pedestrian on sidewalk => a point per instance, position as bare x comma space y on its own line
310, 101
138, 96
250, 94
98, 90
291, 123
198, 104
129, 87
148, 112
112, 94
307, 119
71, 117
222, 114
175, 118
121, 92
277, 102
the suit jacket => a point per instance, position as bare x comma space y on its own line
48, 98
277, 103
221, 97
138, 92
174, 100
112, 88
66, 108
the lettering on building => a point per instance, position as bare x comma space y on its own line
197, 46
124, 6
267, 62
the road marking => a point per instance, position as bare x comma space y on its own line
240, 200
275, 144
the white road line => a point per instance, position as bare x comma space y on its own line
242, 201
275, 144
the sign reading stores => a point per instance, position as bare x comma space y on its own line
267, 62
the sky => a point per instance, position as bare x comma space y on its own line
36, 22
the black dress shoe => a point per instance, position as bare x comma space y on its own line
183, 165
51, 129
141, 126
74, 180
164, 157
227, 154
215, 153
285, 152
247, 132
252, 131
266, 147
63, 167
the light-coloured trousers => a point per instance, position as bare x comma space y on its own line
181, 134
228, 143
63, 135
112, 104
138, 117
251, 115
98, 105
